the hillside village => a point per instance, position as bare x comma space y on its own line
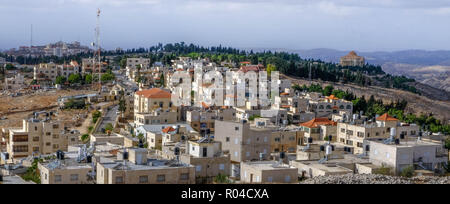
113, 122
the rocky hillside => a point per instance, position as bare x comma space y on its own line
417, 104
375, 179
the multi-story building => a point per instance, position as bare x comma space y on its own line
87, 66
317, 128
353, 135
207, 157
421, 155
14, 83
147, 102
134, 62
244, 143
38, 137
154, 133
352, 59
202, 120
67, 70
66, 171
325, 107
46, 73
139, 169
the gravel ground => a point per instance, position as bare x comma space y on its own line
375, 179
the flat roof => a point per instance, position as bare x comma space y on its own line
268, 165
151, 164
408, 143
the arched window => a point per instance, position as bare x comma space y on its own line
341, 107
349, 107
321, 107
329, 107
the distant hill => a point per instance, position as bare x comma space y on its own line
428, 67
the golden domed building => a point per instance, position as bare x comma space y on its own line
352, 59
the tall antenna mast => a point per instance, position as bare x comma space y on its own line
98, 50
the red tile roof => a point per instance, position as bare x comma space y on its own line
168, 129
332, 97
314, 123
154, 93
386, 117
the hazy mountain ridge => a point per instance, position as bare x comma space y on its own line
428, 67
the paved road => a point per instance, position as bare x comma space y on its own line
110, 117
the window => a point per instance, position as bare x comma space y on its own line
269, 179
235, 154
74, 177
247, 154
236, 141
35, 139
119, 179
287, 178
58, 178
143, 179
277, 139
198, 168
222, 166
343, 130
35, 149
360, 134
20, 138
236, 128
184, 176
227, 139
161, 178
20, 148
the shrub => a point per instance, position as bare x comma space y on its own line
407, 172
383, 170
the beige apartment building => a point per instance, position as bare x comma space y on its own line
207, 157
157, 135
45, 73
325, 107
134, 62
244, 143
151, 100
138, 169
66, 171
90, 65
205, 119
268, 172
353, 135
156, 117
319, 128
38, 137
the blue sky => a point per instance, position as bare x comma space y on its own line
364, 25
